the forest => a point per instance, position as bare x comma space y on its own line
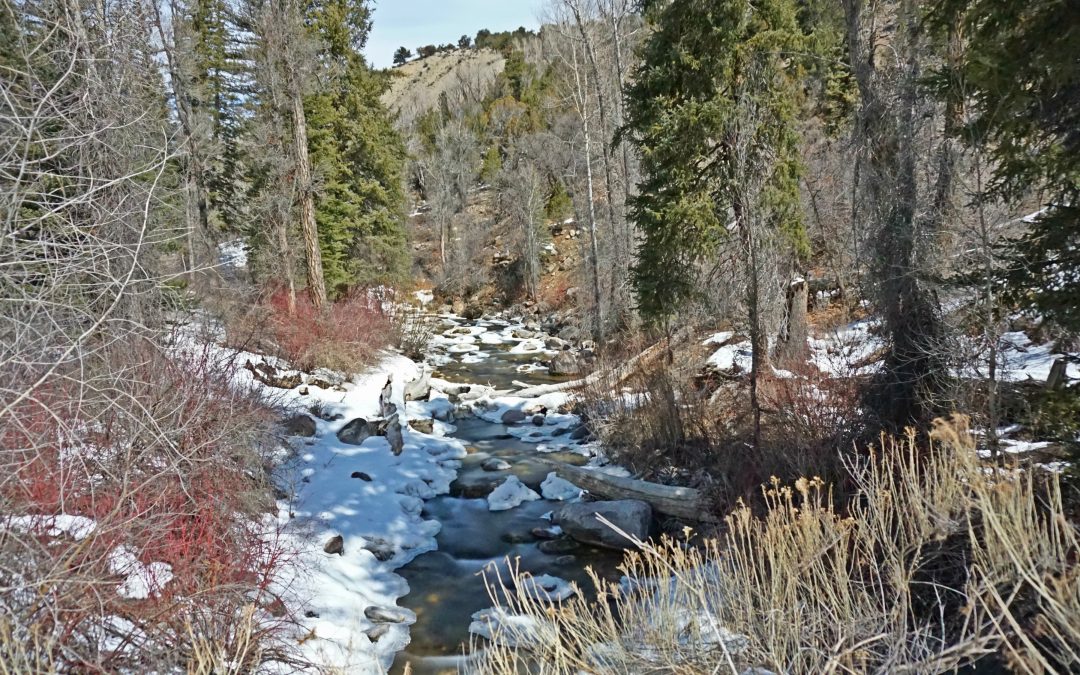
671, 336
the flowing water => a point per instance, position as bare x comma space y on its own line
447, 585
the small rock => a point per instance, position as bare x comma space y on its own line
377, 614
361, 475
377, 631
311, 614
495, 464
424, 426
580, 432
335, 545
566, 560
391, 428
538, 420
380, 548
303, 391
299, 425
356, 432
558, 546
517, 537
546, 533
513, 416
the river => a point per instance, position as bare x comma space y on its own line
446, 586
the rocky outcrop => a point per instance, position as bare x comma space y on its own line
629, 515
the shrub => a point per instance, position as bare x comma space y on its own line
937, 563
131, 497
346, 336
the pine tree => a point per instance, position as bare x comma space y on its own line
359, 156
1021, 70
712, 111
402, 55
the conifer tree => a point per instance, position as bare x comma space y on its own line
358, 155
712, 112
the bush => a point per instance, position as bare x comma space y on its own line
130, 497
935, 564
347, 336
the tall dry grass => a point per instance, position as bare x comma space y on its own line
936, 562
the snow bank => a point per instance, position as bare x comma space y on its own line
512, 492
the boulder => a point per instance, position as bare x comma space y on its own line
629, 515
424, 426
538, 420
513, 416
299, 425
356, 431
392, 431
564, 363
360, 475
475, 485
579, 433
335, 544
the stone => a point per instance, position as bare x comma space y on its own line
386, 403
538, 420
513, 417
424, 426
391, 429
311, 614
580, 521
356, 431
523, 334
552, 342
558, 546
580, 432
361, 475
376, 614
495, 464
475, 485
299, 425
377, 631
419, 388
336, 544
380, 548
473, 312
566, 560
546, 533
514, 537
564, 363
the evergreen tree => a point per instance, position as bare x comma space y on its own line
359, 156
402, 55
712, 109
1021, 69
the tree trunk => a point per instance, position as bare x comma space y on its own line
583, 110
758, 344
306, 196
793, 349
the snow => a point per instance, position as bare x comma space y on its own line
513, 630
1023, 359
329, 593
558, 489
141, 581
76, 527
424, 297
547, 587
512, 492
233, 254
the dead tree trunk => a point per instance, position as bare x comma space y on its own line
305, 194
792, 348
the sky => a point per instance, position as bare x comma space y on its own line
413, 23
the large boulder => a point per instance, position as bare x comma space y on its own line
356, 431
629, 515
391, 428
513, 416
565, 363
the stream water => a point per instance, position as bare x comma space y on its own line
447, 585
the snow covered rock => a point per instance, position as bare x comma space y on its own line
495, 464
558, 489
510, 494
564, 363
629, 515
376, 614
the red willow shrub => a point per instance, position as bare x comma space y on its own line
345, 336
170, 460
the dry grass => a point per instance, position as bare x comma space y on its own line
935, 564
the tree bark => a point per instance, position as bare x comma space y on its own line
306, 196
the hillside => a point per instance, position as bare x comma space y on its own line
417, 85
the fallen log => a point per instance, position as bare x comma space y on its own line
680, 502
617, 375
